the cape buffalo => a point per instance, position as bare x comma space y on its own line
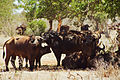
22, 47
43, 51
20, 30
85, 27
72, 42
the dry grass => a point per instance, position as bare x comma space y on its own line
50, 72
111, 73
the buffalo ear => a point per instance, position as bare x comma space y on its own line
41, 34
40, 40
32, 38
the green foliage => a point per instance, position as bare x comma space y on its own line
30, 7
28, 31
97, 10
36, 27
52, 9
112, 7
79, 9
6, 7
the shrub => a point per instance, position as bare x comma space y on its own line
36, 27
28, 31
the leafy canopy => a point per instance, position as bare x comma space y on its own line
99, 10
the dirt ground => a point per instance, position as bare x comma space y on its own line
49, 71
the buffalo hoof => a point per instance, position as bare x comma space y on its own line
35, 67
26, 66
15, 68
20, 68
39, 66
58, 65
7, 69
31, 69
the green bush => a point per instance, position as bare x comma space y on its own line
36, 27
28, 31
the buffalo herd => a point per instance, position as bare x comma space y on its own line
80, 47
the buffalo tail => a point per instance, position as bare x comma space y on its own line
3, 49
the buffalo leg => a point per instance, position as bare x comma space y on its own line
13, 62
6, 62
84, 62
26, 63
58, 57
31, 61
20, 62
39, 61
36, 62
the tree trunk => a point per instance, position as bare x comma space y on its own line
59, 24
96, 28
50, 22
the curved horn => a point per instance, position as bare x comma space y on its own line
99, 44
99, 36
103, 47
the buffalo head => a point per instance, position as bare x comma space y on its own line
51, 37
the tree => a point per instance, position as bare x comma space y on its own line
53, 9
97, 10
30, 7
112, 8
78, 9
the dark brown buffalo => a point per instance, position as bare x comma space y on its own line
85, 27
73, 41
20, 30
22, 47
105, 60
64, 29
55, 42
74, 61
43, 51
77, 60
